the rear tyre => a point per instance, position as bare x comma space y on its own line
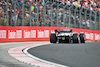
53, 38
82, 37
75, 38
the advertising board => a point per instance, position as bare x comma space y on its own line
26, 33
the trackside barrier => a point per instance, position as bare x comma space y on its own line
26, 33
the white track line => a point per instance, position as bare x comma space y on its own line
36, 58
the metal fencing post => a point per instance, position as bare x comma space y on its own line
15, 13
69, 14
99, 20
38, 11
31, 12
80, 17
7, 14
64, 15
90, 18
58, 13
23, 14
95, 19
85, 17
75, 17
51, 12
45, 10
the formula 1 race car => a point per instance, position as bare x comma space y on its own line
67, 35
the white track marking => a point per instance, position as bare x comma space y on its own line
36, 58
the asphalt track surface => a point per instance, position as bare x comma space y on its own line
69, 54
6, 60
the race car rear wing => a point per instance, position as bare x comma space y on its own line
66, 30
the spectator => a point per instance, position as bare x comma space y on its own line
58, 1
19, 3
88, 23
99, 5
32, 8
15, 17
1, 12
29, 1
42, 2
93, 22
68, 2
83, 22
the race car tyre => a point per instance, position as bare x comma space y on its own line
75, 38
82, 37
53, 38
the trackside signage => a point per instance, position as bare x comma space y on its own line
2, 34
29, 33
43, 33
12, 34
25, 33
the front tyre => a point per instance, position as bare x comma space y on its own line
53, 38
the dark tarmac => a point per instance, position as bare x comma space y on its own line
69, 54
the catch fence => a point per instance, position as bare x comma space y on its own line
48, 13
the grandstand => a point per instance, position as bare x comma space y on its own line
62, 13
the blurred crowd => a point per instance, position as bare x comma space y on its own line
15, 14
